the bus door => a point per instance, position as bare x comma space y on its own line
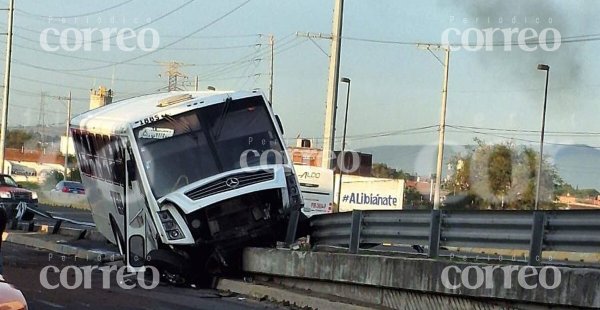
136, 216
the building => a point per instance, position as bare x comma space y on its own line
356, 163
28, 165
100, 97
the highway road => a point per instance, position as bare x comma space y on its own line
23, 265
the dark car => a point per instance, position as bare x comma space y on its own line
11, 194
69, 187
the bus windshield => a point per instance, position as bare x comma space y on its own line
181, 149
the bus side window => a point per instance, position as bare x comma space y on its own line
79, 150
104, 155
91, 155
119, 160
110, 160
83, 155
97, 141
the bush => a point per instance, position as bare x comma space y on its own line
75, 175
52, 179
29, 185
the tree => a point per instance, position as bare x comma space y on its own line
75, 175
381, 170
17, 139
502, 176
52, 179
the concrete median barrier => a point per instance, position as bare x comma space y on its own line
81, 244
385, 277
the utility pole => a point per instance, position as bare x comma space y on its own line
9, 35
68, 133
542, 67
173, 72
42, 120
272, 46
332, 87
440, 155
197, 83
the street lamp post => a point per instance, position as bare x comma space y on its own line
546, 68
343, 154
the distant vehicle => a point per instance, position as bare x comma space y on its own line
185, 180
11, 194
316, 185
69, 187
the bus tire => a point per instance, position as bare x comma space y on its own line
173, 268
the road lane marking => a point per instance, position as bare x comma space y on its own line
47, 303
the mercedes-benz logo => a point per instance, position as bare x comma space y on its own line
232, 182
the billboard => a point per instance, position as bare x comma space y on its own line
368, 193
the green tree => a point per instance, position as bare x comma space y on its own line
502, 176
75, 175
381, 170
17, 138
53, 178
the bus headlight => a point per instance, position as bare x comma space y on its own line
170, 225
5, 195
293, 191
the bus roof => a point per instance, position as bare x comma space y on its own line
115, 117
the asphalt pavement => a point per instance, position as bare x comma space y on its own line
23, 266
70, 213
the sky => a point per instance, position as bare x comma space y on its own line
396, 87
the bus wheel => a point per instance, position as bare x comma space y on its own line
173, 268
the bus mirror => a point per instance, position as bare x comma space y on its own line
279, 124
131, 170
136, 251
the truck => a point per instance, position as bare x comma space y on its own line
12, 196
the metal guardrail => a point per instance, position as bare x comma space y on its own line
535, 231
22, 208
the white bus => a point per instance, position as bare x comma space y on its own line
316, 185
183, 180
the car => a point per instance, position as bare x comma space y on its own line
12, 194
69, 187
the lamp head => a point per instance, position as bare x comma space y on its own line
543, 67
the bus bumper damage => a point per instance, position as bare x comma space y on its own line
221, 230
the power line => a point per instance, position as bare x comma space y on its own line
153, 20
571, 39
568, 133
252, 57
415, 130
73, 16
161, 48
523, 140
